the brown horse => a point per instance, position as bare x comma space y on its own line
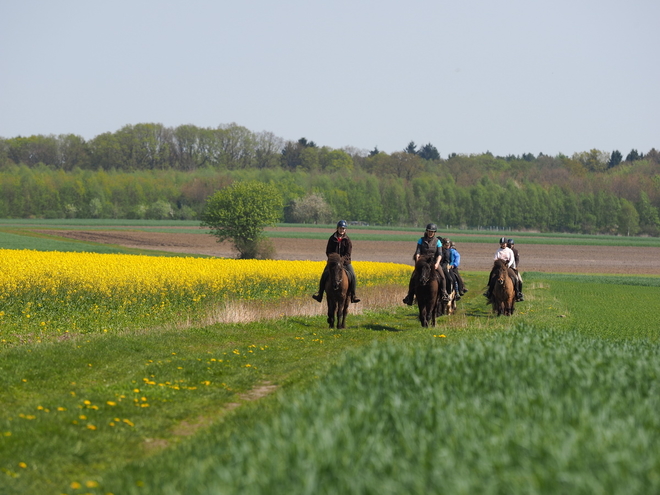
336, 290
447, 307
426, 290
504, 294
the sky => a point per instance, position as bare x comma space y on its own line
468, 76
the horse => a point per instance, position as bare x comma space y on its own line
426, 290
336, 290
504, 294
447, 307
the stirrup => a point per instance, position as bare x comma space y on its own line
445, 297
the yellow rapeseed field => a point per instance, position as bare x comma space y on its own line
89, 291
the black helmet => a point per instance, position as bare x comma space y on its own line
510, 241
432, 227
341, 223
446, 241
502, 240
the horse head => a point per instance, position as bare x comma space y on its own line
502, 271
424, 267
336, 269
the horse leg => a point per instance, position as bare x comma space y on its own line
341, 320
432, 310
331, 313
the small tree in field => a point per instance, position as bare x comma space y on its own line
239, 214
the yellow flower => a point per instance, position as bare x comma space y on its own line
22, 465
111, 403
75, 485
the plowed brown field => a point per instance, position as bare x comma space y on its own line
474, 256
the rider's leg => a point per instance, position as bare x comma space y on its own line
352, 283
411, 291
319, 295
444, 276
519, 288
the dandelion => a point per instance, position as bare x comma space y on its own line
111, 403
91, 427
22, 465
75, 485
91, 484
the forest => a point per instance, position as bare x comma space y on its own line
153, 171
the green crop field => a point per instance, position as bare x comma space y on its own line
562, 397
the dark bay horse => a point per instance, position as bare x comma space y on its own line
336, 290
504, 294
426, 290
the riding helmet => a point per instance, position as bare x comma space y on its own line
432, 227
502, 240
511, 242
341, 223
446, 241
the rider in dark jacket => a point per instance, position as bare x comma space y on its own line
339, 243
431, 247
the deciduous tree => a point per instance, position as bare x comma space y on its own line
239, 214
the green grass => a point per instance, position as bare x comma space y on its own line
522, 411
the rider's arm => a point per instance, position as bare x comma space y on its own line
417, 250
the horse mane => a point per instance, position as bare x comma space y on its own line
500, 264
334, 258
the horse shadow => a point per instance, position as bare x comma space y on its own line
381, 328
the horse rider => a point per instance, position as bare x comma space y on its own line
339, 243
445, 263
428, 246
505, 254
454, 262
516, 257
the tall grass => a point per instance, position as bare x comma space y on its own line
524, 411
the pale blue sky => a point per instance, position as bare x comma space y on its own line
468, 76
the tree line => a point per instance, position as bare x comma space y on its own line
150, 171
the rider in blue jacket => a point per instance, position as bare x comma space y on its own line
454, 263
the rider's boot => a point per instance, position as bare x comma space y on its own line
408, 299
354, 299
318, 297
